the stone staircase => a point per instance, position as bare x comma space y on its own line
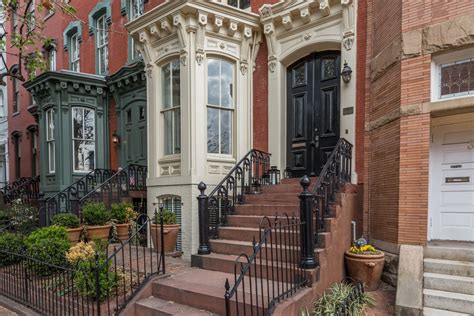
199, 289
448, 279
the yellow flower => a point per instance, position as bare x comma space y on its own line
80, 252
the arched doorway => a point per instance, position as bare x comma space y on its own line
313, 120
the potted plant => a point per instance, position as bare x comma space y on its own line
365, 263
122, 214
170, 231
96, 218
71, 223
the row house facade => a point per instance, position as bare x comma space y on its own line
187, 88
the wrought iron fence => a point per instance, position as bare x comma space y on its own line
25, 189
115, 188
271, 273
101, 285
62, 202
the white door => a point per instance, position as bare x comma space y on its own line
452, 182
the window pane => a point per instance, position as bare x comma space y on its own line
213, 131
213, 93
226, 132
51, 156
168, 132
77, 123
166, 88
226, 83
89, 124
177, 131
176, 83
84, 155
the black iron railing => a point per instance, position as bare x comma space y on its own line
270, 274
246, 177
62, 202
101, 285
25, 189
115, 188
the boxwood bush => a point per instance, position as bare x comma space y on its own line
66, 220
48, 245
95, 214
169, 218
11, 244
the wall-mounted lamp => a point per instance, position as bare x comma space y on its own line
346, 73
115, 138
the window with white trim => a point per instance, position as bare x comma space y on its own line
220, 106
136, 9
173, 203
52, 59
50, 142
241, 4
171, 110
31, 16
83, 139
102, 44
74, 53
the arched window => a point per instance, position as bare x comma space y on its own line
173, 204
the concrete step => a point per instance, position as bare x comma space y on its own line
440, 312
267, 209
153, 306
451, 267
450, 251
203, 289
454, 302
272, 198
255, 220
294, 188
449, 283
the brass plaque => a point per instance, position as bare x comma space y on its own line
457, 179
348, 110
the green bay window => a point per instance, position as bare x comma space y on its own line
220, 106
171, 107
50, 142
83, 139
102, 44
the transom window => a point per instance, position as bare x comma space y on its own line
170, 77
241, 4
83, 138
456, 78
102, 42
220, 106
50, 143
74, 53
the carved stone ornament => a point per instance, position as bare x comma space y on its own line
149, 70
183, 57
272, 63
243, 68
100, 90
266, 11
63, 85
348, 42
200, 56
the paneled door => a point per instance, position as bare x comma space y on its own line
312, 112
134, 142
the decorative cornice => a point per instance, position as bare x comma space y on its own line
127, 78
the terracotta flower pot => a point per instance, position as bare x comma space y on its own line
122, 231
74, 234
170, 233
366, 268
98, 232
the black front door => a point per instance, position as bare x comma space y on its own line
313, 112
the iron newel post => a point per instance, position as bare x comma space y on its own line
204, 247
308, 260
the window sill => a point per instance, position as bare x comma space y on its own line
221, 158
15, 114
170, 158
450, 106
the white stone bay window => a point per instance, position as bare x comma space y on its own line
199, 58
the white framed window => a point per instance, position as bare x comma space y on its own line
83, 139
173, 203
74, 53
220, 106
452, 75
50, 142
32, 16
241, 4
102, 44
52, 59
171, 108
136, 9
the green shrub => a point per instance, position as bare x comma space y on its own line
48, 244
22, 219
122, 213
66, 220
339, 294
10, 244
95, 214
169, 218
